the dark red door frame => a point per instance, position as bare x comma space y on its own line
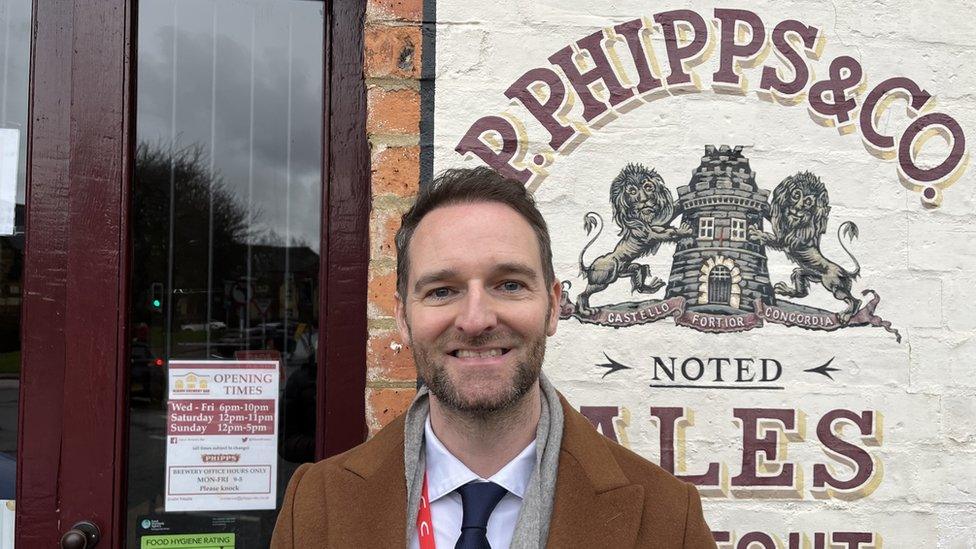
345, 235
72, 435
72, 400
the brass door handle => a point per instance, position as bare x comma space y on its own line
83, 535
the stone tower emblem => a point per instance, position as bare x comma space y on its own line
719, 280
719, 270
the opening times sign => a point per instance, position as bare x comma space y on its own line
222, 440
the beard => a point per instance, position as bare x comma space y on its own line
798, 219
449, 393
648, 217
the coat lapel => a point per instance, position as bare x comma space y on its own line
377, 499
596, 505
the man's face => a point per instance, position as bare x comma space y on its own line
477, 310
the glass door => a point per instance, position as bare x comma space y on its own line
193, 319
15, 18
226, 203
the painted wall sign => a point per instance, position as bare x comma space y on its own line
719, 280
763, 221
221, 453
616, 69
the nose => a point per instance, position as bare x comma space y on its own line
477, 314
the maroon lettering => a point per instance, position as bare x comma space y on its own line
767, 444
845, 76
796, 541
602, 419
546, 112
801, 73
762, 538
601, 71
677, 53
631, 31
862, 460
852, 540
729, 51
473, 142
906, 158
917, 99
668, 418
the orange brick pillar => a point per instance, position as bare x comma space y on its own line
393, 63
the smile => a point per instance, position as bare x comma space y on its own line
478, 353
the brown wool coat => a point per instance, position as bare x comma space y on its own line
607, 497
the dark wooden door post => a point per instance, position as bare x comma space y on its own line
74, 336
346, 201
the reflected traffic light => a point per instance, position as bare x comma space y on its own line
156, 297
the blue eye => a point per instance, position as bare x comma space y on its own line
512, 286
440, 293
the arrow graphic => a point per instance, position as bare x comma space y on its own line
612, 366
824, 369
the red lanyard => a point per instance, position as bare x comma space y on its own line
425, 524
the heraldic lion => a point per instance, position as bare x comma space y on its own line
642, 208
799, 212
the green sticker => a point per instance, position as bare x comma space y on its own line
189, 541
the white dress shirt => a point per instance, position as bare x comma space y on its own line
446, 473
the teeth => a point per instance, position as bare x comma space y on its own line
464, 353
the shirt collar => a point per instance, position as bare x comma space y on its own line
446, 473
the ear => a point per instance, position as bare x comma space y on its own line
400, 313
555, 301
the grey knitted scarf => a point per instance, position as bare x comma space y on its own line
532, 528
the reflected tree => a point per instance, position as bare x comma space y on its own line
198, 194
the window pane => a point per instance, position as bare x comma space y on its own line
738, 229
706, 227
226, 218
15, 21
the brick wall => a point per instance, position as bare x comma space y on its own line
393, 61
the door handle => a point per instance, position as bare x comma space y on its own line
83, 535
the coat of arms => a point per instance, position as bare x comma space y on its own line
719, 280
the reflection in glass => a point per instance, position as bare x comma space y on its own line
226, 202
15, 20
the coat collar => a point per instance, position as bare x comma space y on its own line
378, 506
596, 505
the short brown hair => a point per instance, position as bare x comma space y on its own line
467, 186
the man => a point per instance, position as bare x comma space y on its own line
489, 454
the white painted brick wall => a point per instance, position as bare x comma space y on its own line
922, 262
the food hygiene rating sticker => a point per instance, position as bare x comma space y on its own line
189, 541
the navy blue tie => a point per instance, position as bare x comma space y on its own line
478, 499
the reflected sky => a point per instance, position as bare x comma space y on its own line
15, 18
261, 125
